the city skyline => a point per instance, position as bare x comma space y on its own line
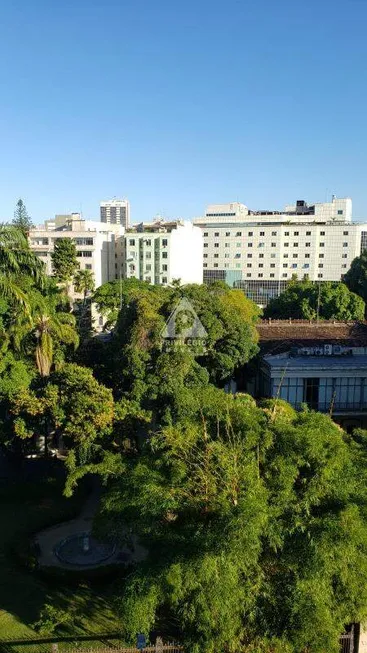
176, 107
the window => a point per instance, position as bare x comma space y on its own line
249, 255
286, 244
319, 276
344, 265
206, 234
321, 255
322, 233
321, 265
249, 265
248, 274
226, 265
311, 392
84, 254
228, 233
261, 255
261, 265
284, 275
308, 244
272, 255
272, 265
345, 233
295, 244
306, 265
226, 255
83, 241
260, 275
285, 255
205, 244
340, 212
205, 265
215, 265
308, 233
164, 243
205, 256
274, 233
238, 233
238, 265
286, 233
249, 244
148, 279
164, 279
322, 244
250, 233
88, 266
272, 275
307, 256
148, 255
148, 267
238, 244
285, 265
216, 255
132, 242
216, 244
227, 245
148, 242
164, 255
262, 233
261, 244
273, 244
216, 234
344, 255
296, 233
238, 256
295, 256
294, 265
345, 244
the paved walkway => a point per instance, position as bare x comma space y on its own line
50, 537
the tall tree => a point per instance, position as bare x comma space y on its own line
356, 277
304, 300
21, 218
84, 282
255, 520
16, 258
64, 261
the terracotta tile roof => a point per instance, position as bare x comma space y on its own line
280, 335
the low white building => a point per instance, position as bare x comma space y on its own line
96, 244
160, 252
259, 251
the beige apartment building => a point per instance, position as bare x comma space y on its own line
260, 251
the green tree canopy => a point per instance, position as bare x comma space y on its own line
304, 300
255, 521
21, 218
64, 259
84, 282
356, 277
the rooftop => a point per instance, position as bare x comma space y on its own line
279, 335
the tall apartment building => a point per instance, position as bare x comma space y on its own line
260, 251
160, 252
96, 244
115, 212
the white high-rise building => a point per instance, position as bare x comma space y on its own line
116, 211
259, 251
97, 244
160, 252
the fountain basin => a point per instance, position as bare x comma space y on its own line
83, 550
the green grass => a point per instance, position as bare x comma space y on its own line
25, 509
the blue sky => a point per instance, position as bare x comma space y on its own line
178, 104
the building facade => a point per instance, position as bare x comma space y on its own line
115, 211
260, 251
160, 252
96, 244
329, 378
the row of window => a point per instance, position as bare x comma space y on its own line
260, 274
249, 255
147, 242
308, 244
262, 233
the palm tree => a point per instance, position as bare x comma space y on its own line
84, 282
17, 258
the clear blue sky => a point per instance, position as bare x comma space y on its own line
176, 104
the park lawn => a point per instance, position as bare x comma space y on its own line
26, 508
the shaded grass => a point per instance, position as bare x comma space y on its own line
25, 508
